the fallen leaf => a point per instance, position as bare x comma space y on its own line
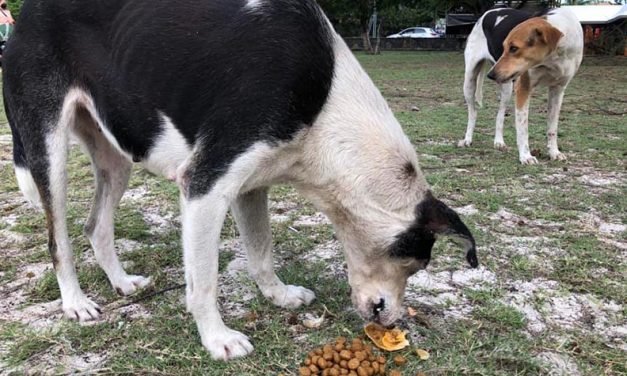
251, 316
292, 319
411, 312
422, 354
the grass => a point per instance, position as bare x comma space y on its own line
559, 208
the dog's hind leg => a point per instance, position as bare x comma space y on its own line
50, 176
112, 171
556, 95
473, 69
251, 214
506, 95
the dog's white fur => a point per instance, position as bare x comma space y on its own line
555, 72
27, 186
254, 4
169, 151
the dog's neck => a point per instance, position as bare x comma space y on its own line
358, 166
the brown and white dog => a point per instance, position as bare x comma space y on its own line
528, 51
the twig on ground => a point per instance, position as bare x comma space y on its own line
151, 295
607, 111
327, 312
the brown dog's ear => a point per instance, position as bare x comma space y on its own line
536, 36
548, 35
552, 37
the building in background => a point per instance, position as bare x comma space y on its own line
604, 26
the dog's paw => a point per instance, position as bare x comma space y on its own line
464, 143
227, 344
557, 156
289, 296
528, 160
500, 145
129, 284
81, 308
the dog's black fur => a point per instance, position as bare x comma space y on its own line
496, 33
433, 217
177, 57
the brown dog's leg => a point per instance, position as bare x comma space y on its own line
523, 92
556, 95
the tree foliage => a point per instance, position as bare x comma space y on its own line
15, 6
351, 17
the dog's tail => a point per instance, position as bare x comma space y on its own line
482, 69
22, 172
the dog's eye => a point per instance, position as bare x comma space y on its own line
513, 49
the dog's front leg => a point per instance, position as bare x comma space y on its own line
506, 95
556, 95
251, 214
523, 93
202, 219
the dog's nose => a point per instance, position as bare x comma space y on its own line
378, 307
491, 75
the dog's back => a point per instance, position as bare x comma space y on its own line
178, 57
571, 45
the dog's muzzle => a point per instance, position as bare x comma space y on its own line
491, 75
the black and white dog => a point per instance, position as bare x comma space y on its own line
226, 97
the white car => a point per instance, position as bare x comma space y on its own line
416, 32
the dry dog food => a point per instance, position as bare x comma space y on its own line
343, 357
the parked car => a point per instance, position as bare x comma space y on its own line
416, 32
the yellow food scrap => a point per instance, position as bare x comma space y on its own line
422, 354
388, 340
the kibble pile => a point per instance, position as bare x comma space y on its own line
352, 358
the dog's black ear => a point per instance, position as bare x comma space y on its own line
433, 217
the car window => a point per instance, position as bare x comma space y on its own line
408, 31
420, 31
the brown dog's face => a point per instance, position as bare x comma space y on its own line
526, 46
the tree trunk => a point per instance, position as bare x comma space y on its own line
378, 45
366, 39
